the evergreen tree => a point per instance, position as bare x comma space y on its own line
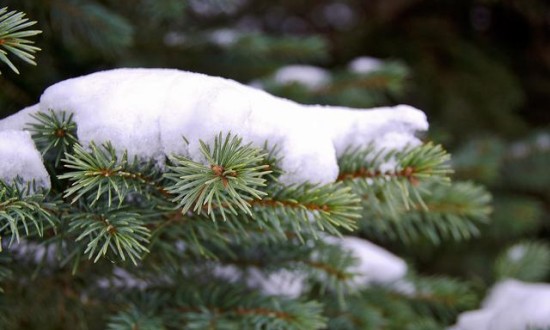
115, 243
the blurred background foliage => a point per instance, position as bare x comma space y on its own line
480, 69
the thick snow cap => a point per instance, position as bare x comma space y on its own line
148, 111
511, 305
20, 159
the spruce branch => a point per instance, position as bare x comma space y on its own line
133, 319
119, 231
394, 177
23, 209
83, 24
526, 261
102, 173
411, 164
235, 307
54, 134
13, 37
306, 209
439, 297
229, 181
447, 212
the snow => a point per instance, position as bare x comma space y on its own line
282, 282
224, 37
542, 141
148, 111
19, 121
307, 75
375, 265
511, 305
19, 158
517, 252
364, 65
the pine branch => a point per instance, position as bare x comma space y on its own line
395, 176
439, 297
306, 209
527, 261
13, 38
88, 23
229, 181
117, 231
54, 134
23, 209
101, 173
133, 319
448, 211
220, 305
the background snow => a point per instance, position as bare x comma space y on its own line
364, 65
307, 75
374, 265
19, 158
511, 305
147, 111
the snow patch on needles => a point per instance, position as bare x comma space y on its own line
19, 158
306, 75
511, 305
148, 112
365, 65
375, 265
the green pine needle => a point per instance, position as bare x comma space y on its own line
101, 173
13, 38
526, 261
119, 231
54, 134
228, 182
23, 211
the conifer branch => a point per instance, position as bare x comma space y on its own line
13, 38
307, 208
525, 261
222, 304
54, 134
102, 173
448, 211
231, 178
411, 164
394, 177
134, 319
118, 231
22, 209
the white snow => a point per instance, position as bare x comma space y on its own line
19, 158
19, 121
282, 282
542, 141
365, 65
224, 37
148, 111
517, 252
375, 264
511, 305
306, 75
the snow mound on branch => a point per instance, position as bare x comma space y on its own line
375, 265
19, 158
511, 305
148, 111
